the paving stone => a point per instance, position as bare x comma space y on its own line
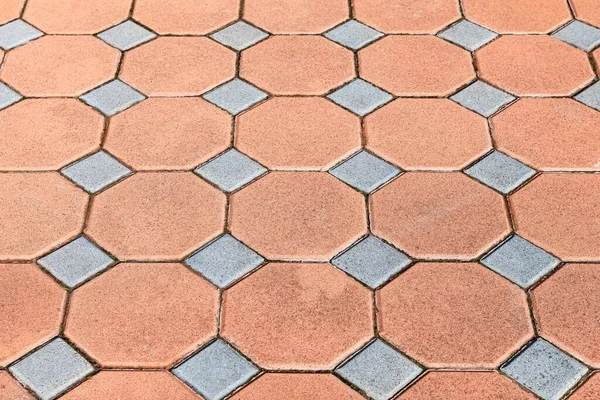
590, 96
365, 172
112, 97
482, 98
501, 172
95, 172
360, 97
579, 34
235, 96
353, 34
8, 96
468, 35
126, 35
231, 170
16, 33
239, 35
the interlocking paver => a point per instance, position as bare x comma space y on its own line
231, 170
590, 96
96, 172
235, 96
500, 172
17, 33
579, 34
468, 35
126, 35
8, 96
482, 98
360, 97
240, 35
112, 97
365, 172
353, 34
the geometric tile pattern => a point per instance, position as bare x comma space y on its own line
360, 97
8, 96
95, 172
112, 97
16, 33
239, 36
353, 34
580, 35
235, 96
365, 172
126, 35
482, 98
231, 170
468, 35
590, 96
499, 171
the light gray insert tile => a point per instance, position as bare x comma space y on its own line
360, 97
235, 96
468, 35
501, 172
365, 172
112, 97
240, 35
230, 170
353, 34
580, 34
126, 35
590, 96
16, 33
8, 96
482, 98
95, 172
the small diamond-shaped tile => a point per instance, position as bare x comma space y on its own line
468, 35
126, 35
353, 34
580, 35
482, 98
235, 96
224, 260
371, 261
239, 36
8, 96
501, 172
52, 369
216, 371
360, 97
95, 172
16, 33
365, 172
379, 370
76, 261
231, 170
590, 96
112, 97
520, 261
545, 370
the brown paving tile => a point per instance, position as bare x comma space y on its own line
143, 315
416, 65
10, 10
560, 213
46, 134
298, 216
297, 65
439, 215
31, 311
11, 390
147, 136
60, 66
297, 316
590, 390
298, 133
178, 66
533, 130
454, 315
38, 211
534, 65
427, 134
587, 10
157, 216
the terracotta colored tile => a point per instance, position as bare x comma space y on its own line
31, 312
533, 130
178, 66
157, 216
38, 134
297, 65
10, 10
147, 136
587, 10
38, 211
590, 390
427, 134
296, 16
186, 16
298, 215
454, 315
439, 215
407, 16
60, 66
143, 315
596, 56
298, 133
534, 65
297, 316
416, 65
11, 390
559, 212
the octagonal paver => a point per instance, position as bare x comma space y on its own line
11, 389
178, 66
297, 316
467, 316
146, 137
31, 312
439, 215
534, 65
53, 66
587, 10
287, 65
590, 390
561, 214
143, 315
298, 216
157, 216
298, 133
427, 134
10, 10
416, 65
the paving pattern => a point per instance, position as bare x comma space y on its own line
299, 199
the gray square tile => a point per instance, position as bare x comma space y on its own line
112, 97
580, 35
372, 261
501, 172
468, 35
545, 370
239, 36
224, 261
8, 96
16, 33
76, 261
590, 96
365, 172
379, 370
360, 97
231, 170
216, 371
520, 261
235, 96
52, 369
482, 98
95, 172
126, 35
353, 34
